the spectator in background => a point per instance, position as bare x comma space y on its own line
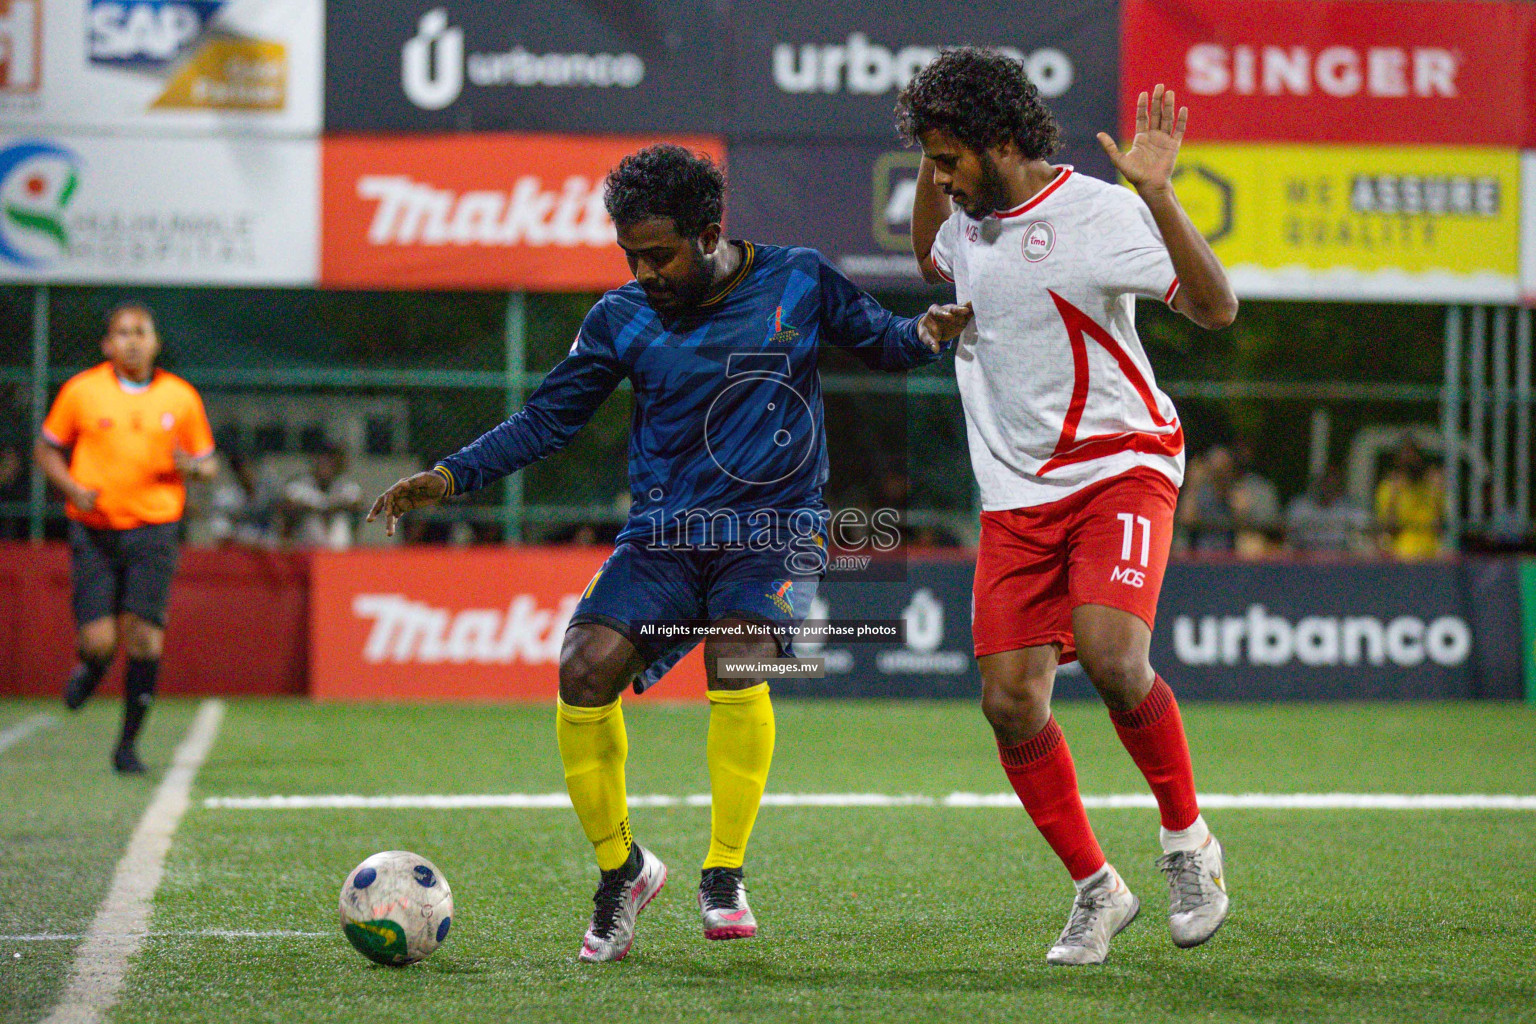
1207, 509
1324, 519
241, 507
1257, 502
1410, 501
322, 507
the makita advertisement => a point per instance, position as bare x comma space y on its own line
1414, 72
474, 211
470, 624
807, 69
251, 66
420, 65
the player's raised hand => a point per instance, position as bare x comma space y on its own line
415, 491
941, 323
1148, 164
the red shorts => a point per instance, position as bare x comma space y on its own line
1107, 544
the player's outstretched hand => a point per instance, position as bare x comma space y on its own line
415, 491
941, 323
1148, 164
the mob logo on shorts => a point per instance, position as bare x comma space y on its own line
782, 595
1125, 573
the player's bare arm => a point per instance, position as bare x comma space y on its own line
415, 491
51, 461
195, 467
942, 323
930, 209
1205, 295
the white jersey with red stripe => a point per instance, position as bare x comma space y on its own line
1058, 392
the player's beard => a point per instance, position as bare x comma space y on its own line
687, 292
991, 189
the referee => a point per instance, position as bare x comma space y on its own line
134, 433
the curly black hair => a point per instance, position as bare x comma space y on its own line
981, 97
666, 181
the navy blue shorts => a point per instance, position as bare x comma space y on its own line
640, 584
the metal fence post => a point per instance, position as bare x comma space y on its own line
516, 336
38, 496
1450, 425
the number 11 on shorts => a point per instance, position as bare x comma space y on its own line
1131, 522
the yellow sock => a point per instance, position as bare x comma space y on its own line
740, 749
593, 746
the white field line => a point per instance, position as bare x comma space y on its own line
122, 923
206, 933
1213, 801
14, 734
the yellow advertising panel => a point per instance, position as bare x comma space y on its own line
1435, 224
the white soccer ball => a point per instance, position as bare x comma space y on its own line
396, 908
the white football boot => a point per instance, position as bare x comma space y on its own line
1197, 893
617, 903
723, 905
1099, 913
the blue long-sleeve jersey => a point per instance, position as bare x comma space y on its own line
728, 414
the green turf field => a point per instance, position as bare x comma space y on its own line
926, 913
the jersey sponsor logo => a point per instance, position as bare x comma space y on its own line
1039, 240
21, 46
167, 421
783, 595
1069, 447
38, 180
433, 66
1131, 577
781, 335
411, 212
864, 68
105, 423
406, 631
1260, 638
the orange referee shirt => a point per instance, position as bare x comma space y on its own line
124, 443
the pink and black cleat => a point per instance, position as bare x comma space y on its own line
619, 899
723, 904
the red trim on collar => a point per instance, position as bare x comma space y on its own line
1040, 197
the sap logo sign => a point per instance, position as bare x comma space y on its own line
145, 33
1321, 640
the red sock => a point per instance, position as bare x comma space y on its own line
1153, 733
1043, 775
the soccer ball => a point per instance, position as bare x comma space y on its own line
396, 908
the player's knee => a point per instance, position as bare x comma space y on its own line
142, 640
97, 649
587, 677
1022, 707
1121, 676
721, 653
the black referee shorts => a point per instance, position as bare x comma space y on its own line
116, 571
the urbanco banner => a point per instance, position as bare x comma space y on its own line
852, 201
429, 65
1415, 72
162, 66
804, 69
475, 210
116, 209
